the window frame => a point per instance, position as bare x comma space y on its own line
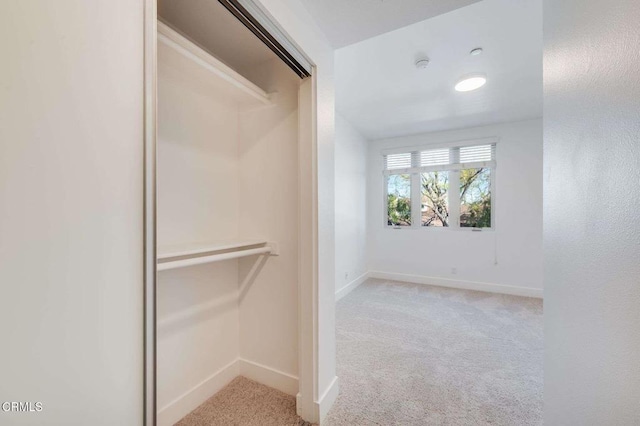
453, 192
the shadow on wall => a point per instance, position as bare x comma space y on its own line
197, 282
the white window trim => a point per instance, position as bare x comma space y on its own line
452, 144
415, 170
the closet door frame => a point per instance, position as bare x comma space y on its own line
308, 298
308, 270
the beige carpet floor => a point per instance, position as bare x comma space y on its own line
245, 403
412, 354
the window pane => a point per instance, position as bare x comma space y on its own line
435, 198
399, 200
475, 198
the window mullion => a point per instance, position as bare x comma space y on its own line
385, 197
454, 191
416, 192
416, 200
454, 198
492, 191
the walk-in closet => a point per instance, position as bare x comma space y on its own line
228, 205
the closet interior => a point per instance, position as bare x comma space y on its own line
227, 208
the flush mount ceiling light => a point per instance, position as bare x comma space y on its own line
471, 82
475, 52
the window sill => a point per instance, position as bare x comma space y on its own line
441, 229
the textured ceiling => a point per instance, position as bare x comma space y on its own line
381, 92
349, 21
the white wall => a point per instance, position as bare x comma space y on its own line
317, 325
351, 204
268, 208
198, 198
197, 154
71, 182
429, 255
592, 200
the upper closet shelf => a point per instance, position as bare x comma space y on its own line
244, 92
196, 254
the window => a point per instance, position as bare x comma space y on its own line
435, 198
441, 188
399, 200
475, 198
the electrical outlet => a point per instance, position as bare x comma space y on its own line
454, 271
346, 275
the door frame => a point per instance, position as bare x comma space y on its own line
308, 299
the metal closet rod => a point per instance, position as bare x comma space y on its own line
213, 258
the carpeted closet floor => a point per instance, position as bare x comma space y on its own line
244, 402
412, 354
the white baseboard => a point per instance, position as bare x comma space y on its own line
325, 402
190, 400
461, 284
351, 286
269, 376
319, 409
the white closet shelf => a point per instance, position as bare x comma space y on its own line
245, 92
196, 254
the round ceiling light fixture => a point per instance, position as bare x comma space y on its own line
475, 52
422, 63
471, 82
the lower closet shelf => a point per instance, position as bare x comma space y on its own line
196, 254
